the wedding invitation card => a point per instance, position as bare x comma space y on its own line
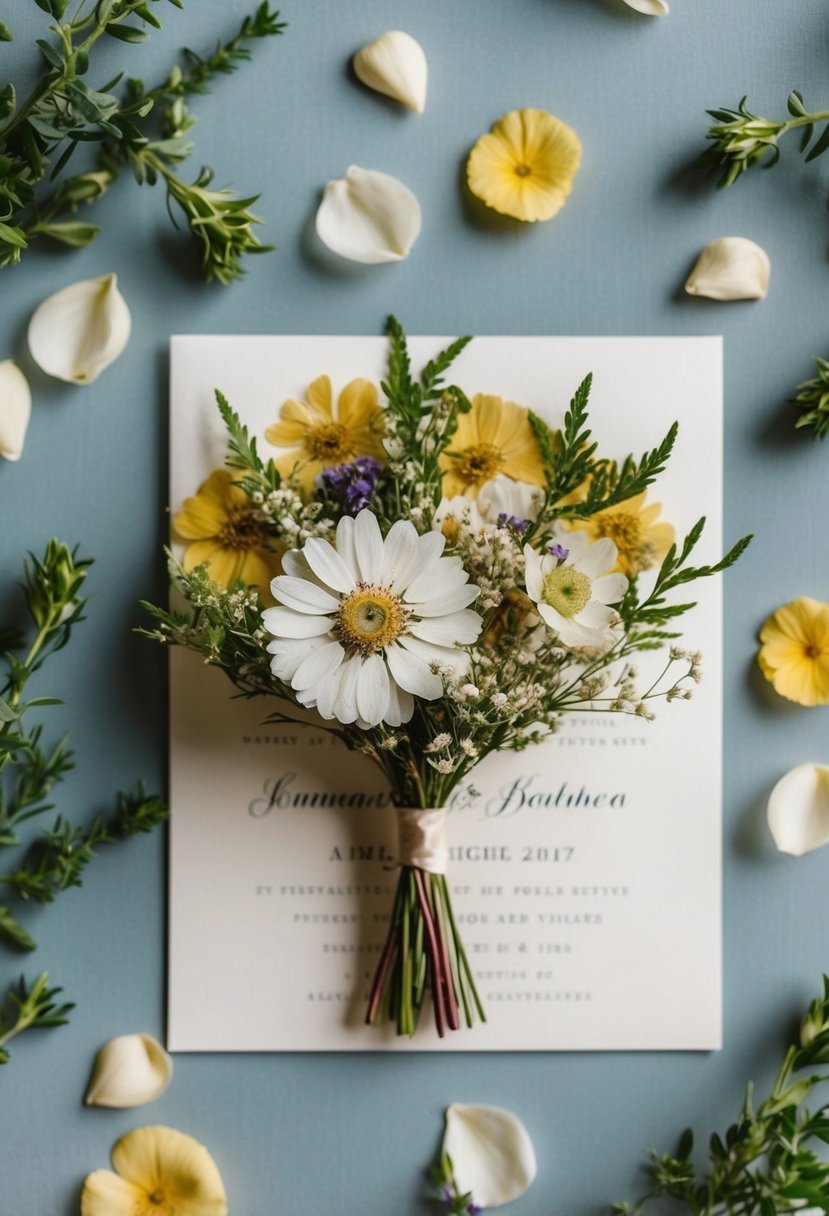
585, 871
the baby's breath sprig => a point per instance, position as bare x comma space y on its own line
446, 1191
740, 140
771, 1160
27, 1008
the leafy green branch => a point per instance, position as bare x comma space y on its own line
771, 1159
63, 112
741, 140
812, 399
28, 1008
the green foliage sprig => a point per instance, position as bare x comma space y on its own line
29, 770
812, 399
28, 1008
771, 1161
39, 135
741, 140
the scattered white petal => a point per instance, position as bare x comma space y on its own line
798, 809
491, 1151
80, 330
368, 217
129, 1070
394, 64
731, 268
651, 8
15, 409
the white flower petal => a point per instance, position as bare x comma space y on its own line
285, 623
345, 543
394, 64
456, 660
457, 628
345, 705
798, 809
609, 589
368, 217
129, 1070
533, 575
302, 595
504, 496
289, 653
449, 601
80, 330
368, 547
399, 553
651, 8
413, 673
596, 559
328, 566
731, 268
15, 409
446, 574
318, 667
491, 1151
372, 690
595, 616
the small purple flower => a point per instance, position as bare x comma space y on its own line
474, 1209
558, 551
513, 521
352, 485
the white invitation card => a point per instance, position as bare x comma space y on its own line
585, 872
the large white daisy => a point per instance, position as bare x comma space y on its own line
571, 587
359, 628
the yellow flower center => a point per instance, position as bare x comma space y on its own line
242, 530
811, 651
567, 590
157, 1204
369, 619
522, 170
451, 529
328, 443
479, 463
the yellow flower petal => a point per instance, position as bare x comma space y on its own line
794, 651
357, 404
174, 1167
525, 166
105, 1194
320, 396
205, 513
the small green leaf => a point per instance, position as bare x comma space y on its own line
126, 33
76, 234
13, 931
50, 54
8, 713
5, 33
821, 145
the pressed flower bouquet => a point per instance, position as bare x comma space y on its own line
431, 578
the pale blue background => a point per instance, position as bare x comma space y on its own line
301, 1135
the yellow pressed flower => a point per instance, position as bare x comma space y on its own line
639, 537
525, 166
494, 437
794, 651
158, 1172
221, 524
320, 437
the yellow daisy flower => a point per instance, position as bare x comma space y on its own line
319, 437
525, 166
220, 522
794, 651
494, 437
640, 539
158, 1172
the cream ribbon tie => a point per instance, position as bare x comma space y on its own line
422, 838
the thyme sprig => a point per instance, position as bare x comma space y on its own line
29, 769
41, 134
28, 1008
741, 140
812, 399
771, 1160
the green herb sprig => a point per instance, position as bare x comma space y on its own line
29, 770
41, 134
771, 1160
29, 1008
812, 399
741, 140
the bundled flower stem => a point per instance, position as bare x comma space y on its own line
451, 585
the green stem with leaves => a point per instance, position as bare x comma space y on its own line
30, 1008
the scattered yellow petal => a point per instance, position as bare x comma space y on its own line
794, 651
525, 166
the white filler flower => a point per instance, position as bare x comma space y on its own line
572, 588
360, 629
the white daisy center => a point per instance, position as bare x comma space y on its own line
567, 590
369, 619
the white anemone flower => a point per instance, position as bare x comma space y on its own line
458, 514
500, 500
362, 629
571, 586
